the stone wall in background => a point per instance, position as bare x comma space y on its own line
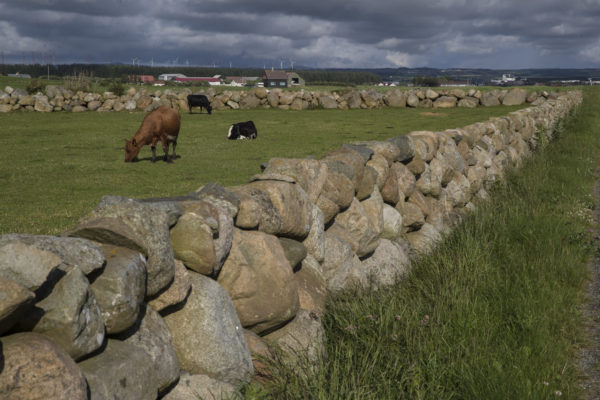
57, 98
183, 296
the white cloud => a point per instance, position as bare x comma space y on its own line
13, 42
400, 59
591, 53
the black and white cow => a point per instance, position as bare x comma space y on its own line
242, 130
199, 100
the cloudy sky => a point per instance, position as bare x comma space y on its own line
315, 33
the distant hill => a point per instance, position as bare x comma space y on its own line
479, 76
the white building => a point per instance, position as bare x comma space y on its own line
170, 77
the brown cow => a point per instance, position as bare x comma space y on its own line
160, 124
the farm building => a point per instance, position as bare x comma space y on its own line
169, 77
241, 80
277, 78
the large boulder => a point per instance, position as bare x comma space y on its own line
423, 240
374, 209
314, 243
392, 222
355, 226
342, 269
406, 180
132, 224
412, 216
515, 97
338, 188
354, 164
177, 291
70, 315
293, 205
151, 335
429, 182
27, 265
412, 100
192, 238
301, 342
191, 387
249, 102
208, 335
490, 99
256, 210
395, 98
294, 251
426, 144
327, 102
120, 371
260, 281
309, 174
15, 301
387, 264
445, 102
312, 290
121, 287
36, 368
73, 252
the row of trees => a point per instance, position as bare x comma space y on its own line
114, 71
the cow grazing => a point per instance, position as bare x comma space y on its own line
199, 100
242, 130
160, 124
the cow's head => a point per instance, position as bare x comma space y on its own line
209, 108
131, 150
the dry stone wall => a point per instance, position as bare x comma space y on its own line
57, 98
164, 297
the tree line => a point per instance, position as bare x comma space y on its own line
121, 71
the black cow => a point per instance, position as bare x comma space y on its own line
199, 100
242, 130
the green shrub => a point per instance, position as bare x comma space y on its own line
117, 88
35, 85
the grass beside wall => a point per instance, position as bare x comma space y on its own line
493, 313
55, 167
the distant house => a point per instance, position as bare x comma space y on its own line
278, 78
241, 80
170, 77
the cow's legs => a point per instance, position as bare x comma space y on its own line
153, 153
174, 156
165, 146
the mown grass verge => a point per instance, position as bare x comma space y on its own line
55, 167
492, 313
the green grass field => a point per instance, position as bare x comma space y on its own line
493, 313
57, 166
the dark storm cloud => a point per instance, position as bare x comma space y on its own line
318, 33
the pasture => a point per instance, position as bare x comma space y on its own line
55, 167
